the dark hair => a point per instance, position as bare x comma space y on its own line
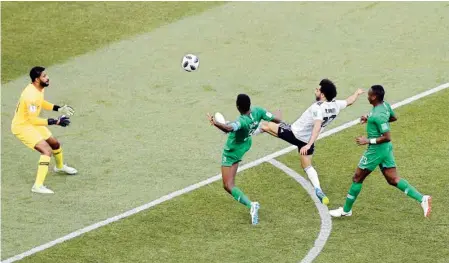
243, 103
379, 91
328, 89
36, 72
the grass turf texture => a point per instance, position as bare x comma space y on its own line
46, 33
278, 57
207, 225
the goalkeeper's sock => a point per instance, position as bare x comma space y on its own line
409, 190
42, 170
58, 157
353, 192
240, 196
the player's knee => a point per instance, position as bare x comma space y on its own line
55, 145
228, 186
393, 180
357, 178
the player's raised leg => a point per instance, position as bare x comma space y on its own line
228, 173
60, 167
393, 179
42, 169
354, 191
269, 127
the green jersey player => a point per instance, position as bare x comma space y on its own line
238, 143
379, 153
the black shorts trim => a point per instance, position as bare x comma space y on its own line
285, 133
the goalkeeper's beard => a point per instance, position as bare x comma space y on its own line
45, 84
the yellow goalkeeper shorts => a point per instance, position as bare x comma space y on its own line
30, 135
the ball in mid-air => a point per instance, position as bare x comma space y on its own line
190, 62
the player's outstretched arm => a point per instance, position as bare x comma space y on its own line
351, 99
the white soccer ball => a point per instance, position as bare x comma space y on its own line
190, 62
219, 118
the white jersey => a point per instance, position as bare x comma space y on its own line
326, 111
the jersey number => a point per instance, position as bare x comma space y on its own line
17, 108
327, 120
253, 128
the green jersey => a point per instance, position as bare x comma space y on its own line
378, 123
378, 154
239, 140
245, 126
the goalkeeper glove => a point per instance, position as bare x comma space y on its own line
61, 121
66, 110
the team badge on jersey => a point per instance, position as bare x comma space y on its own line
33, 108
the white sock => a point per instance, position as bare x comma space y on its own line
313, 176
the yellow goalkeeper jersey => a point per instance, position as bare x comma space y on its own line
29, 107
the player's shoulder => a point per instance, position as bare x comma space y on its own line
384, 108
340, 103
242, 119
380, 114
387, 105
317, 105
257, 109
29, 92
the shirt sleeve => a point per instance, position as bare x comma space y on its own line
239, 124
264, 114
47, 105
31, 109
392, 113
382, 125
341, 104
236, 125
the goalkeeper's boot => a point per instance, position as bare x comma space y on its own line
339, 212
321, 196
254, 212
65, 169
41, 190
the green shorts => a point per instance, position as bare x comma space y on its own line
230, 157
378, 156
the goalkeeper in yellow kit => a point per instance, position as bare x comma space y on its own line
32, 131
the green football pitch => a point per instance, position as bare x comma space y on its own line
140, 129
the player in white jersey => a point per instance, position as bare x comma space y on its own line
305, 130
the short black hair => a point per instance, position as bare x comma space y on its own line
243, 103
379, 91
36, 72
328, 89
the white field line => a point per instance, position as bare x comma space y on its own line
326, 221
